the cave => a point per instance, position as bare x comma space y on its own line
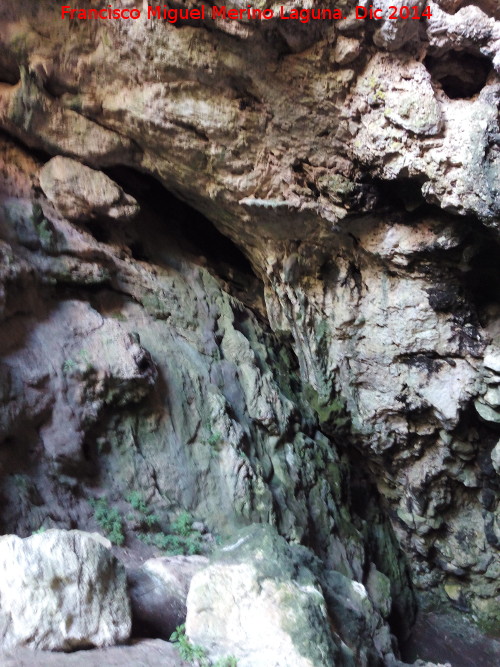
250, 339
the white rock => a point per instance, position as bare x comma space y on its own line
495, 457
492, 358
254, 605
61, 590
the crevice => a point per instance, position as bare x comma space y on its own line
37, 154
186, 229
9, 69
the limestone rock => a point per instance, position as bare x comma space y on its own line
352, 171
272, 604
392, 34
252, 605
61, 591
158, 592
495, 457
80, 193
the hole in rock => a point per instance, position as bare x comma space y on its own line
484, 277
401, 192
461, 75
9, 69
98, 230
189, 223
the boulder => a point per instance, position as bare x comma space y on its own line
61, 590
80, 193
257, 602
158, 591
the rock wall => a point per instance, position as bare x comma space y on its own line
337, 329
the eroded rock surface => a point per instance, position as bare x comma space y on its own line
61, 591
260, 601
356, 165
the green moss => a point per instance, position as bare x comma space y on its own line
214, 438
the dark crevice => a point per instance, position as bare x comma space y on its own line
189, 230
36, 153
461, 75
404, 193
484, 277
99, 231
9, 69
199, 233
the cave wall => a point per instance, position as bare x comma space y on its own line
356, 166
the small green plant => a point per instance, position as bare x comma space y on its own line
39, 531
187, 650
183, 525
36, 214
136, 499
42, 225
45, 233
69, 366
180, 541
214, 438
109, 519
173, 545
230, 661
197, 654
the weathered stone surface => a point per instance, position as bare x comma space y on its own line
357, 166
251, 605
495, 457
61, 591
80, 193
259, 601
210, 419
158, 592
144, 653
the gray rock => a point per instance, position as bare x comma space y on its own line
272, 604
61, 590
158, 592
495, 457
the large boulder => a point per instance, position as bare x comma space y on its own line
158, 591
61, 590
80, 193
260, 601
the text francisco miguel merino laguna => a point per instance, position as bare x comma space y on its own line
166, 13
